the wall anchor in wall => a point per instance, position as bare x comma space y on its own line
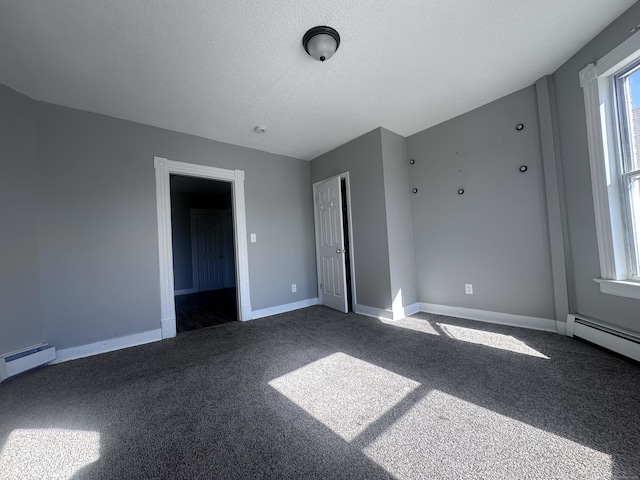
520, 126
524, 168
460, 191
415, 190
412, 161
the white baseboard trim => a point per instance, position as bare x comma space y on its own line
382, 314
374, 312
105, 346
571, 322
185, 291
411, 309
533, 323
247, 313
612, 338
289, 307
168, 327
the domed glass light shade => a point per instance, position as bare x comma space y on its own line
321, 42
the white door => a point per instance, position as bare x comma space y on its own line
330, 244
210, 251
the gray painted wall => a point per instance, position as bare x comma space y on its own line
495, 236
398, 208
79, 256
554, 190
99, 248
20, 322
362, 158
572, 128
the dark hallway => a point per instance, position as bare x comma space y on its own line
205, 309
203, 252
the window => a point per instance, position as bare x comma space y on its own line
628, 104
612, 100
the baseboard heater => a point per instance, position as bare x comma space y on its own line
617, 340
17, 362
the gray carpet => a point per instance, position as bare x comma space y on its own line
319, 394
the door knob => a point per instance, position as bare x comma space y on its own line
338, 251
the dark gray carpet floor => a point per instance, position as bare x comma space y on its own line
319, 394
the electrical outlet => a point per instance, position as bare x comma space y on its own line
253, 238
468, 289
294, 288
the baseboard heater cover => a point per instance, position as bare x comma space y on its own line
18, 362
619, 341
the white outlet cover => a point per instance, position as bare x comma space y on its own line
468, 289
294, 288
253, 238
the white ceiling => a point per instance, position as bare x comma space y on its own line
218, 68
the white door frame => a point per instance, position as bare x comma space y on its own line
164, 168
352, 262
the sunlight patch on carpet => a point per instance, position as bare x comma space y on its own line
490, 339
442, 436
48, 453
415, 324
344, 393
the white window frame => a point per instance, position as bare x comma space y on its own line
598, 83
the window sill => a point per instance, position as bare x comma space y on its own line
620, 288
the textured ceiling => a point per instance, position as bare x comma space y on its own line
218, 68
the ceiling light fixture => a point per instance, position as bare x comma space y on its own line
321, 42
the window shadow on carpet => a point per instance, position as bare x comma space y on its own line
320, 394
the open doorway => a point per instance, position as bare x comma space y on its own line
163, 169
204, 263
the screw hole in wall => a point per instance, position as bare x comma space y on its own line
412, 161
460, 191
520, 127
524, 168
415, 190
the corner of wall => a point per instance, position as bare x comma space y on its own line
399, 221
21, 321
